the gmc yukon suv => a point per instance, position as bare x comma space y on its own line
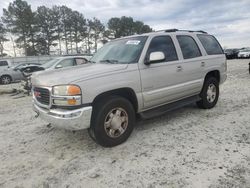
141, 75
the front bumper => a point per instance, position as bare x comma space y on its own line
67, 119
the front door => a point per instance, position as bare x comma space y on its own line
159, 79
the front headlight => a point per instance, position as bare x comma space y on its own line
66, 90
66, 95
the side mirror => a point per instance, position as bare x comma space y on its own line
155, 57
59, 66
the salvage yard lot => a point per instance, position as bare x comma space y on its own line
188, 147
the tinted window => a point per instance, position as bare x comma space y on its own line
210, 44
3, 63
165, 45
189, 47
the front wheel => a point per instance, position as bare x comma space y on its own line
209, 94
5, 79
112, 121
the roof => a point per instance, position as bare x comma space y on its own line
171, 31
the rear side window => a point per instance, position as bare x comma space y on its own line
210, 44
188, 46
165, 45
80, 61
3, 63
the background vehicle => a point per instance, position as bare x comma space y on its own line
14, 73
231, 53
143, 75
66, 61
4, 64
245, 53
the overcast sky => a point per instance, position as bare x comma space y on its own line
228, 20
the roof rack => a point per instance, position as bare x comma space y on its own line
175, 30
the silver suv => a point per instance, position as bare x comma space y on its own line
142, 75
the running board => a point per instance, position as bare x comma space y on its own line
168, 107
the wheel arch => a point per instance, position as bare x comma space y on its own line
125, 92
214, 73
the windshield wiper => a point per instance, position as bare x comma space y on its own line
109, 61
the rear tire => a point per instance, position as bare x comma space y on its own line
112, 122
209, 94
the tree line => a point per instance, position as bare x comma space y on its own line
59, 27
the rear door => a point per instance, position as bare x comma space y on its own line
192, 63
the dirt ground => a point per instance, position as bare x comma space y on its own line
188, 147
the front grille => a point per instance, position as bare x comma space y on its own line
42, 95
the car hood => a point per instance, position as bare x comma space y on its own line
70, 75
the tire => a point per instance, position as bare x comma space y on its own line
209, 94
5, 79
112, 121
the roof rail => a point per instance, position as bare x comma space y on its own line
175, 30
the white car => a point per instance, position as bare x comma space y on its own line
14, 73
66, 61
244, 53
4, 64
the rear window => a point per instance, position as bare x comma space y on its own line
210, 44
3, 63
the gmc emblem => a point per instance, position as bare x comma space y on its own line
37, 94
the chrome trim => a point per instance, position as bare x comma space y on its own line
67, 119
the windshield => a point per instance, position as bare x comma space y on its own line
126, 50
49, 63
17, 66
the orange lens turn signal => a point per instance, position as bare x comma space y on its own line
71, 101
74, 90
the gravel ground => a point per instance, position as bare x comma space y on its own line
188, 147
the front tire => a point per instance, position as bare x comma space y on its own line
113, 120
5, 79
209, 94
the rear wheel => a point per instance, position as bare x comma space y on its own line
209, 94
112, 121
5, 79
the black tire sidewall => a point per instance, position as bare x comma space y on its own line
204, 103
99, 114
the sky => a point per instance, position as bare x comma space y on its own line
228, 20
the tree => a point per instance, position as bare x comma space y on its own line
79, 28
19, 18
126, 26
58, 25
96, 30
46, 24
66, 22
3, 38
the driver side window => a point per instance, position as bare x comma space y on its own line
65, 63
165, 45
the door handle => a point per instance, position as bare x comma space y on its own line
179, 68
203, 64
